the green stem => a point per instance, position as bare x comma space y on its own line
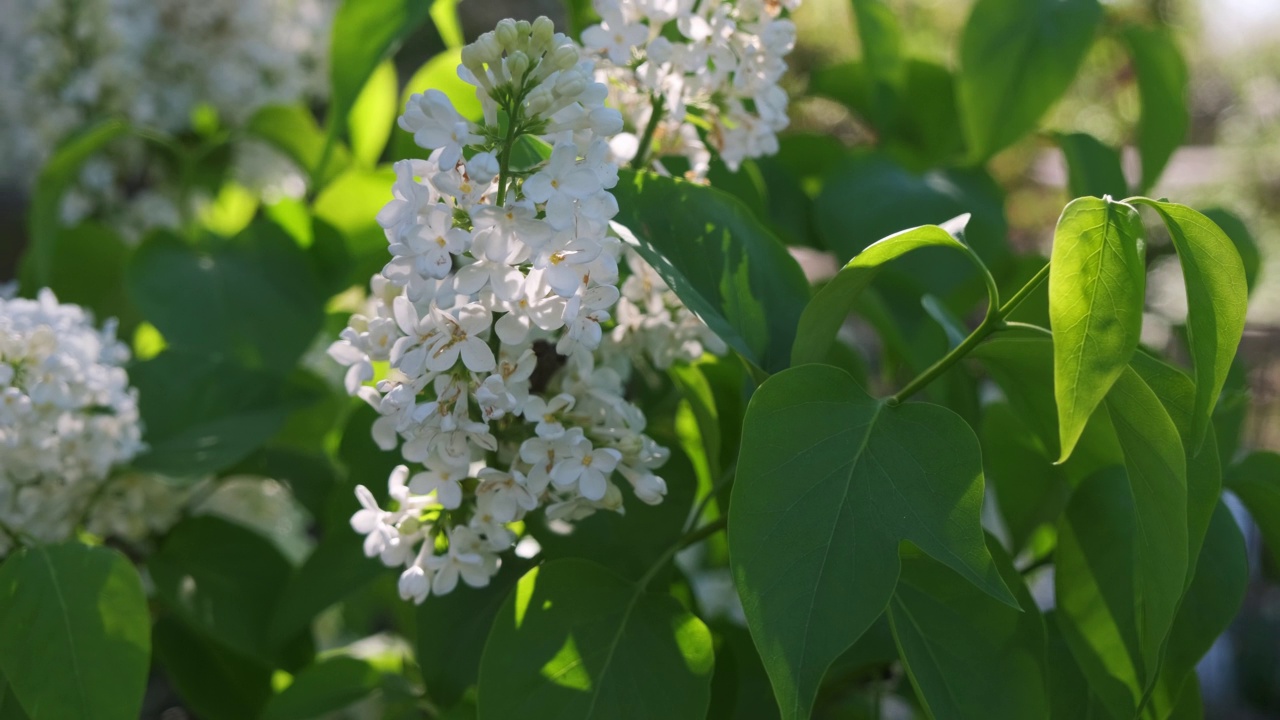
683, 542
646, 141
504, 160
994, 321
725, 478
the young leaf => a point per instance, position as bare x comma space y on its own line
1256, 481
726, 267
75, 634
829, 482
953, 638
1217, 298
374, 114
223, 580
1017, 57
575, 640
824, 314
1097, 281
1093, 169
1162, 88
326, 687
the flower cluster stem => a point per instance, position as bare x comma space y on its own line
995, 320
646, 141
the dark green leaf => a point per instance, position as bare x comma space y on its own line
10, 709
1030, 490
1256, 481
87, 269
829, 482
327, 686
740, 689
336, 569
1093, 169
1097, 281
954, 639
576, 641
55, 177
254, 297
828, 309
214, 681
724, 265
1217, 299
871, 196
204, 415
1017, 57
452, 630
882, 41
74, 633
1162, 88
223, 580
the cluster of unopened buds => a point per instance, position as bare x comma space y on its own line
68, 421
504, 370
688, 75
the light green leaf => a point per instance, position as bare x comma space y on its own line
1256, 481
1017, 57
351, 204
444, 14
203, 414
374, 114
1246, 245
223, 580
828, 309
365, 32
954, 639
328, 686
75, 633
713, 253
1162, 87
1096, 285
293, 130
829, 483
577, 641
1093, 169
55, 177
1217, 299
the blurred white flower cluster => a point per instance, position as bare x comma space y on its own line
502, 388
710, 69
67, 418
65, 64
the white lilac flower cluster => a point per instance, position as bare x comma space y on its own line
490, 317
65, 64
67, 418
710, 69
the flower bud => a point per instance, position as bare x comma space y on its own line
543, 29
523, 29
488, 47
564, 57
506, 34
606, 121
517, 65
483, 167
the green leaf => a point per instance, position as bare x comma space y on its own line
1256, 481
1096, 285
444, 15
214, 681
374, 114
203, 414
10, 709
1030, 491
292, 129
336, 569
452, 630
740, 689
223, 580
1235, 228
1093, 169
1162, 88
829, 483
827, 311
254, 297
1217, 299
365, 32
576, 641
88, 269
881, 39
954, 639
326, 687
57, 174
1017, 57
74, 633
1211, 603
351, 203
726, 267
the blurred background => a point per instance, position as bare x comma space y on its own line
202, 68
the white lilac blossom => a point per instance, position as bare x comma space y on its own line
65, 64
718, 60
493, 321
68, 417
